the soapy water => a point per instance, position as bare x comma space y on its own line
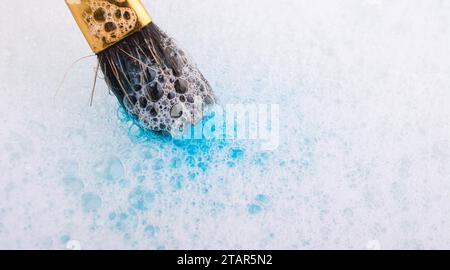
363, 156
167, 165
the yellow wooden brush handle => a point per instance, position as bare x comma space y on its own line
106, 22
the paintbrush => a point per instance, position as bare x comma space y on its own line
154, 80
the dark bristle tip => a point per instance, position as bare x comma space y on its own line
149, 74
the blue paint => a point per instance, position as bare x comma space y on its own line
261, 158
203, 166
140, 198
236, 153
125, 223
123, 216
166, 163
175, 163
91, 202
137, 168
192, 175
254, 209
177, 181
180, 143
65, 238
124, 183
262, 198
114, 169
151, 230
193, 150
148, 155
158, 165
136, 132
190, 161
73, 183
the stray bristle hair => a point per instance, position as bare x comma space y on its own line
155, 81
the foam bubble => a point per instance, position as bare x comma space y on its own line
165, 99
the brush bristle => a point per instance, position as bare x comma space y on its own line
156, 81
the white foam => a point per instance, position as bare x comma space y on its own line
364, 152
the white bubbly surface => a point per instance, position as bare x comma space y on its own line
364, 155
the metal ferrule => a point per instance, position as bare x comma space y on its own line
106, 22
